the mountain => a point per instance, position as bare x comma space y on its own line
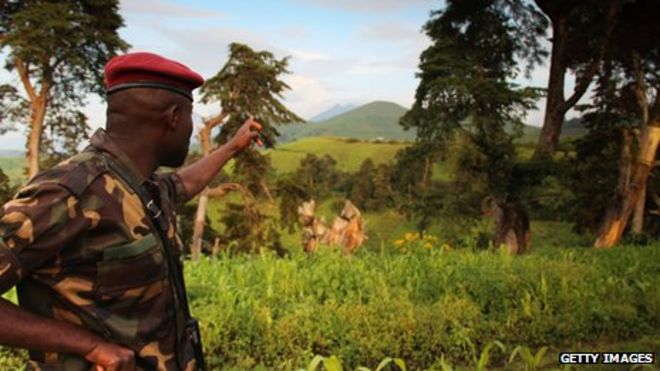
11, 153
375, 120
336, 110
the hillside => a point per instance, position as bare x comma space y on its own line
348, 154
336, 110
373, 120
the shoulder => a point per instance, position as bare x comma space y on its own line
74, 175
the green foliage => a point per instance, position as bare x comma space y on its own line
291, 197
532, 361
54, 38
186, 221
6, 189
431, 308
465, 106
317, 175
363, 184
484, 357
420, 305
251, 169
53, 44
13, 108
65, 130
250, 83
247, 229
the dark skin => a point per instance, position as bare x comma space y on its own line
134, 114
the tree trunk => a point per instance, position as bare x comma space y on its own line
512, 228
198, 229
37, 116
638, 215
266, 190
627, 162
554, 117
556, 104
618, 215
643, 103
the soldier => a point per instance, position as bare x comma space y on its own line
91, 243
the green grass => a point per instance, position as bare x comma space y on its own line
13, 167
421, 306
370, 121
348, 154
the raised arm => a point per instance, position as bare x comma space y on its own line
196, 176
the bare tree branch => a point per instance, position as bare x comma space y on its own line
584, 80
216, 120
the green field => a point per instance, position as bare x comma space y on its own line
427, 306
14, 167
348, 153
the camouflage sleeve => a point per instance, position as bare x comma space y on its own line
172, 184
34, 227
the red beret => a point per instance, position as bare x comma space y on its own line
138, 70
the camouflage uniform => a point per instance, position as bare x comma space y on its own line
77, 243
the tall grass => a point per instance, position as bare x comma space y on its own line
421, 307
430, 308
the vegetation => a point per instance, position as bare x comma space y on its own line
58, 61
424, 306
249, 84
370, 121
441, 187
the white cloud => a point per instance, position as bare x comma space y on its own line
165, 8
306, 56
307, 96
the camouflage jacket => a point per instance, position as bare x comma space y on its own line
79, 247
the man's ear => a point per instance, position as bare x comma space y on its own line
173, 113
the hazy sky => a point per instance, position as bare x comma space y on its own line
342, 51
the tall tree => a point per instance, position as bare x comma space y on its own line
581, 33
58, 50
629, 98
250, 83
465, 91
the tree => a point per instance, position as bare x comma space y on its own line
464, 93
363, 185
58, 50
291, 196
248, 84
317, 175
628, 99
581, 33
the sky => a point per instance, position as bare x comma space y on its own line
341, 51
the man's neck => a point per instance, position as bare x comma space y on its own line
139, 152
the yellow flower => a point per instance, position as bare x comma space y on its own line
409, 236
399, 243
446, 247
428, 245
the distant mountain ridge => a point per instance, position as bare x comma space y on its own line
336, 110
375, 120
